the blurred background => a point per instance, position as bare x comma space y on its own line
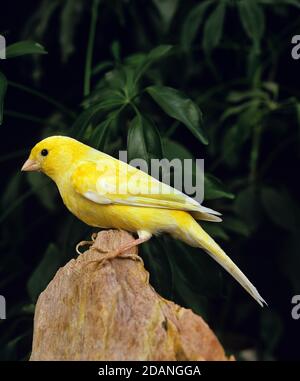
160, 78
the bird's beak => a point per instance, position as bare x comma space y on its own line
30, 165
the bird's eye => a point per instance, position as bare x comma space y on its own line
44, 152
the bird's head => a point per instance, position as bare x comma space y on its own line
54, 155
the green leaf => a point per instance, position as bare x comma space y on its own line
3, 88
191, 299
234, 110
39, 21
174, 150
192, 23
100, 134
236, 225
98, 104
213, 189
28, 309
253, 20
130, 84
215, 230
84, 119
102, 66
237, 135
239, 96
12, 190
272, 87
247, 206
143, 140
271, 329
44, 272
214, 27
122, 82
43, 189
295, 3
197, 271
167, 10
12, 198
136, 59
179, 107
104, 99
11, 350
290, 260
254, 66
159, 52
279, 207
233, 140
141, 62
69, 19
116, 50
22, 48
156, 261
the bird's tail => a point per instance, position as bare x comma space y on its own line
196, 236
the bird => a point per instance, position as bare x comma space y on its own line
105, 192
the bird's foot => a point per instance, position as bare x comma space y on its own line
112, 255
109, 255
82, 243
85, 243
121, 250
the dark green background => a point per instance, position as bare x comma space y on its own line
155, 65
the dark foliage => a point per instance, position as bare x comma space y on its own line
162, 78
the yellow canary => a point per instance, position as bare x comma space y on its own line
107, 193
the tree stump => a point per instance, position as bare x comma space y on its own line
107, 310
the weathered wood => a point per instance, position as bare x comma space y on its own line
109, 311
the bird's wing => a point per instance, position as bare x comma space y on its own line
110, 181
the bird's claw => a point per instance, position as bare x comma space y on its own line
109, 255
113, 255
92, 242
82, 243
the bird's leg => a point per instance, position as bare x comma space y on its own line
132, 244
143, 237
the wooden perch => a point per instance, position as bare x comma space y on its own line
107, 310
